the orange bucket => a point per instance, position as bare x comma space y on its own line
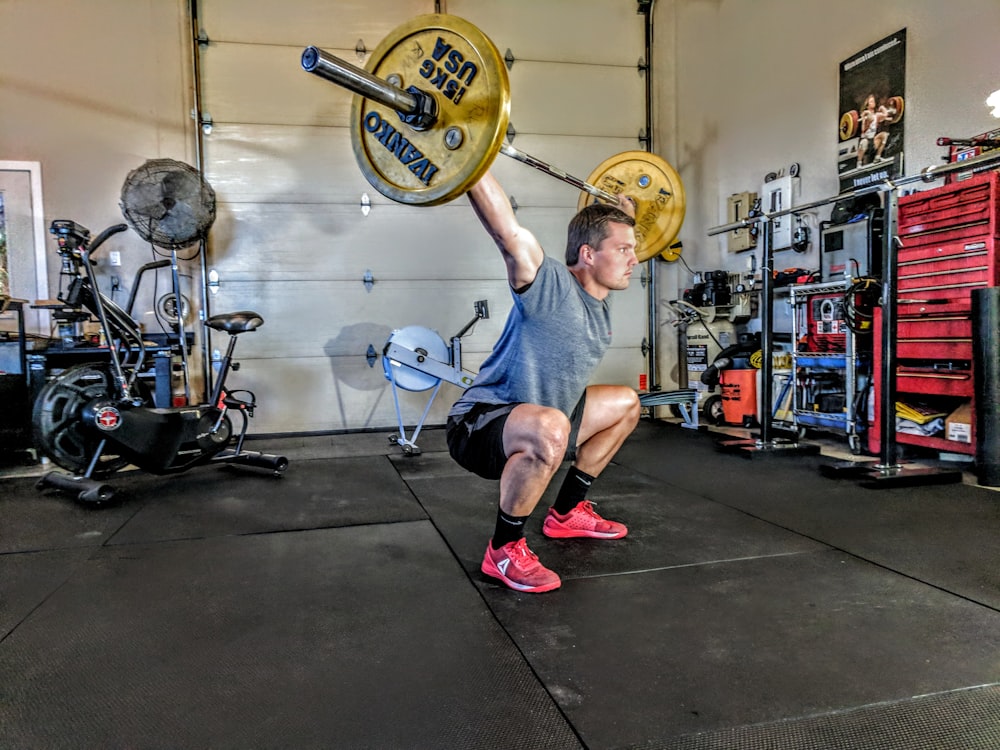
739, 396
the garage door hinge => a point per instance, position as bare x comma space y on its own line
644, 140
206, 122
644, 347
371, 355
368, 279
511, 133
642, 278
509, 59
366, 204
642, 66
203, 40
360, 50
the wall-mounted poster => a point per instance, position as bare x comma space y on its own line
872, 104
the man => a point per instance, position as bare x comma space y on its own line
873, 117
530, 406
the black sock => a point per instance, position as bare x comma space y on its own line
574, 489
508, 529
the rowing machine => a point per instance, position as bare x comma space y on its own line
417, 359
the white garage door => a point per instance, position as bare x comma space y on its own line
293, 242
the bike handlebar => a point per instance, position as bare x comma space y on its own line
109, 232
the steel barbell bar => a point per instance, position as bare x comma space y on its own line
418, 109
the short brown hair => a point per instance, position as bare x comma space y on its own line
590, 227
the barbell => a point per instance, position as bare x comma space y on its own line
430, 115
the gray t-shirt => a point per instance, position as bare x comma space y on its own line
554, 337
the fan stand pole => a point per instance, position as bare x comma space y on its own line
178, 301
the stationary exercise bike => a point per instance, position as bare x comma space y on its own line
95, 418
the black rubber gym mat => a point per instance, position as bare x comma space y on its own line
702, 648
316, 493
27, 579
33, 520
943, 534
966, 719
358, 637
667, 526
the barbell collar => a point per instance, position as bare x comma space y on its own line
507, 150
361, 82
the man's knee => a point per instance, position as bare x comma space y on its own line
542, 433
631, 408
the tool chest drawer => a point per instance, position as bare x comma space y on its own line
934, 380
945, 275
948, 350
944, 302
951, 212
944, 327
975, 251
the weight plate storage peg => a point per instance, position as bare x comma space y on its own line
460, 83
659, 194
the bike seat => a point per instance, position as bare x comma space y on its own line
235, 322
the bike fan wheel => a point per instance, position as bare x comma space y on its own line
57, 420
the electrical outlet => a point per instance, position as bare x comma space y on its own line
115, 258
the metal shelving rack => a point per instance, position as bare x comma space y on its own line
819, 375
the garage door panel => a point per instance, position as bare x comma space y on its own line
507, 24
574, 99
335, 318
288, 242
284, 164
236, 74
321, 22
291, 240
321, 394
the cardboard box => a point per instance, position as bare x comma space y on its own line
958, 424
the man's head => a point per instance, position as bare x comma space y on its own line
591, 227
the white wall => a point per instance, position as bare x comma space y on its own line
757, 86
92, 90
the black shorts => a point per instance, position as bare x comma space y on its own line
475, 439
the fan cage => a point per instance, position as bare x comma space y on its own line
168, 203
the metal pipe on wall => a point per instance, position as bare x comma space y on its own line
199, 163
652, 368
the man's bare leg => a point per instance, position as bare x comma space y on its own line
535, 439
609, 417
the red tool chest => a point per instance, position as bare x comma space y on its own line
947, 247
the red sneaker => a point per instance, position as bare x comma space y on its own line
582, 521
518, 567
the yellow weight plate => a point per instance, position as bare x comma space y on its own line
895, 106
453, 61
657, 190
848, 125
672, 253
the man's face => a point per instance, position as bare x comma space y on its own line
615, 259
